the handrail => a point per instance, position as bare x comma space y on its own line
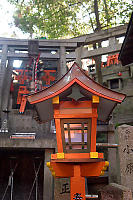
108, 145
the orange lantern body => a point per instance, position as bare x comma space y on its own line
77, 102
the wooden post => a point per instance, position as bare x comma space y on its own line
93, 134
58, 136
78, 52
4, 57
77, 184
6, 85
3, 68
5, 91
48, 188
112, 44
62, 65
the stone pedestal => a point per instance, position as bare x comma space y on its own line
115, 192
62, 189
125, 151
112, 159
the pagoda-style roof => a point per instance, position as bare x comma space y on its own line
126, 52
64, 88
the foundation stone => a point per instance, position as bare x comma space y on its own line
62, 189
115, 192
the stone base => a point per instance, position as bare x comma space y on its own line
115, 192
61, 189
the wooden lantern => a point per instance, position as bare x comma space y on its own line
76, 102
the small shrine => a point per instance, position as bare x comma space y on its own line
76, 102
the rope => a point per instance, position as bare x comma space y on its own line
36, 72
36, 176
12, 173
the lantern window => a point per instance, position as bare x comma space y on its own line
76, 134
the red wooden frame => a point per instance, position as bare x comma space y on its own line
73, 104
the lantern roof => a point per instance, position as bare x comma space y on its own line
75, 80
126, 52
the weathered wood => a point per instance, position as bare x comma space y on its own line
100, 51
106, 34
43, 55
3, 68
5, 97
6, 85
78, 52
72, 55
25, 55
88, 38
4, 57
42, 43
62, 65
69, 44
48, 188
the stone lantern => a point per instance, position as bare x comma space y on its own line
76, 102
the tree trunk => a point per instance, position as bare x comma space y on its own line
106, 11
98, 58
98, 28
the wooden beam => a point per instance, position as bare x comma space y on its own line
100, 51
62, 65
71, 56
73, 43
103, 35
96, 52
42, 43
88, 39
25, 55
45, 55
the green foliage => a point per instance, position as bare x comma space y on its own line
62, 18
